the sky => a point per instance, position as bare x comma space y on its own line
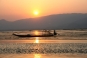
12, 10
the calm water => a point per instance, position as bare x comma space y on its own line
67, 44
43, 56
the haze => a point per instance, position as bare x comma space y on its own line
20, 9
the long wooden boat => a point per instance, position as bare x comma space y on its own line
28, 35
43, 35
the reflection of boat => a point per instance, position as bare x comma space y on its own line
43, 35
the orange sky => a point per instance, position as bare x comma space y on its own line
19, 9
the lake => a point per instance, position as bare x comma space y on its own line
67, 44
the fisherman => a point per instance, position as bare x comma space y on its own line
55, 32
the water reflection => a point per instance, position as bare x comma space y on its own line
36, 33
36, 40
37, 56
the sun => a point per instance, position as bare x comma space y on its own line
36, 12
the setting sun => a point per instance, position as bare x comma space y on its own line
36, 12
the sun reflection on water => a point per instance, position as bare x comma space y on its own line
37, 40
36, 33
37, 56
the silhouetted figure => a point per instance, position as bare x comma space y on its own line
55, 32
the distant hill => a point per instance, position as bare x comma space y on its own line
57, 21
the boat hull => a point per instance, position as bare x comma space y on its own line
34, 35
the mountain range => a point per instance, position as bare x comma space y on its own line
55, 21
